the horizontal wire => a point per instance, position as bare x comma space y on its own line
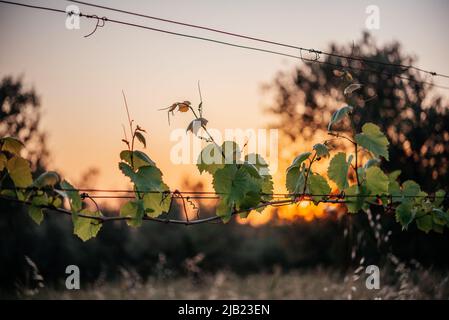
105, 19
354, 58
199, 194
102, 219
132, 197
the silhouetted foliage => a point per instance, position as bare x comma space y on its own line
20, 114
19, 117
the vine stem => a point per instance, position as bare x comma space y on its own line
307, 173
133, 133
356, 165
356, 149
208, 133
133, 138
127, 113
337, 135
103, 219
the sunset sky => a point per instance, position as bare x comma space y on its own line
80, 79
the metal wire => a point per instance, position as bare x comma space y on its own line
216, 195
313, 51
300, 57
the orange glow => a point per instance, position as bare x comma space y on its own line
258, 218
306, 210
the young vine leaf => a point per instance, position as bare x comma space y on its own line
338, 170
322, 151
20, 172
339, 115
210, 159
318, 186
376, 181
351, 88
373, 140
296, 173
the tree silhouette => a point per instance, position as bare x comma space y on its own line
414, 117
19, 117
20, 114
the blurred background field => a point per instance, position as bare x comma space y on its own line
311, 260
402, 283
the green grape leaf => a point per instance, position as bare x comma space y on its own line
36, 213
224, 210
8, 193
57, 202
70, 192
267, 188
404, 214
146, 178
355, 198
376, 181
231, 151
321, 150
338, 170
393, 176
394, 189
296, 179
40, 200
231, 182
237, 189
11, 145
141, 138
20, 172
210, 159
251, 170
259, 162
372, 162
127, 170
361, 172
318, 186
251, 200
410, 189
424, 223
422, 200
299, 160
439, 197
156, 203
149, 178
339, 115
135, 210
373, 140
266, 182
196, 124
3, 161
440, 217
86, 228
46, 179
136, 159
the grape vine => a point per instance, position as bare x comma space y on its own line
242, 184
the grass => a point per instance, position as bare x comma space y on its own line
399, 283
